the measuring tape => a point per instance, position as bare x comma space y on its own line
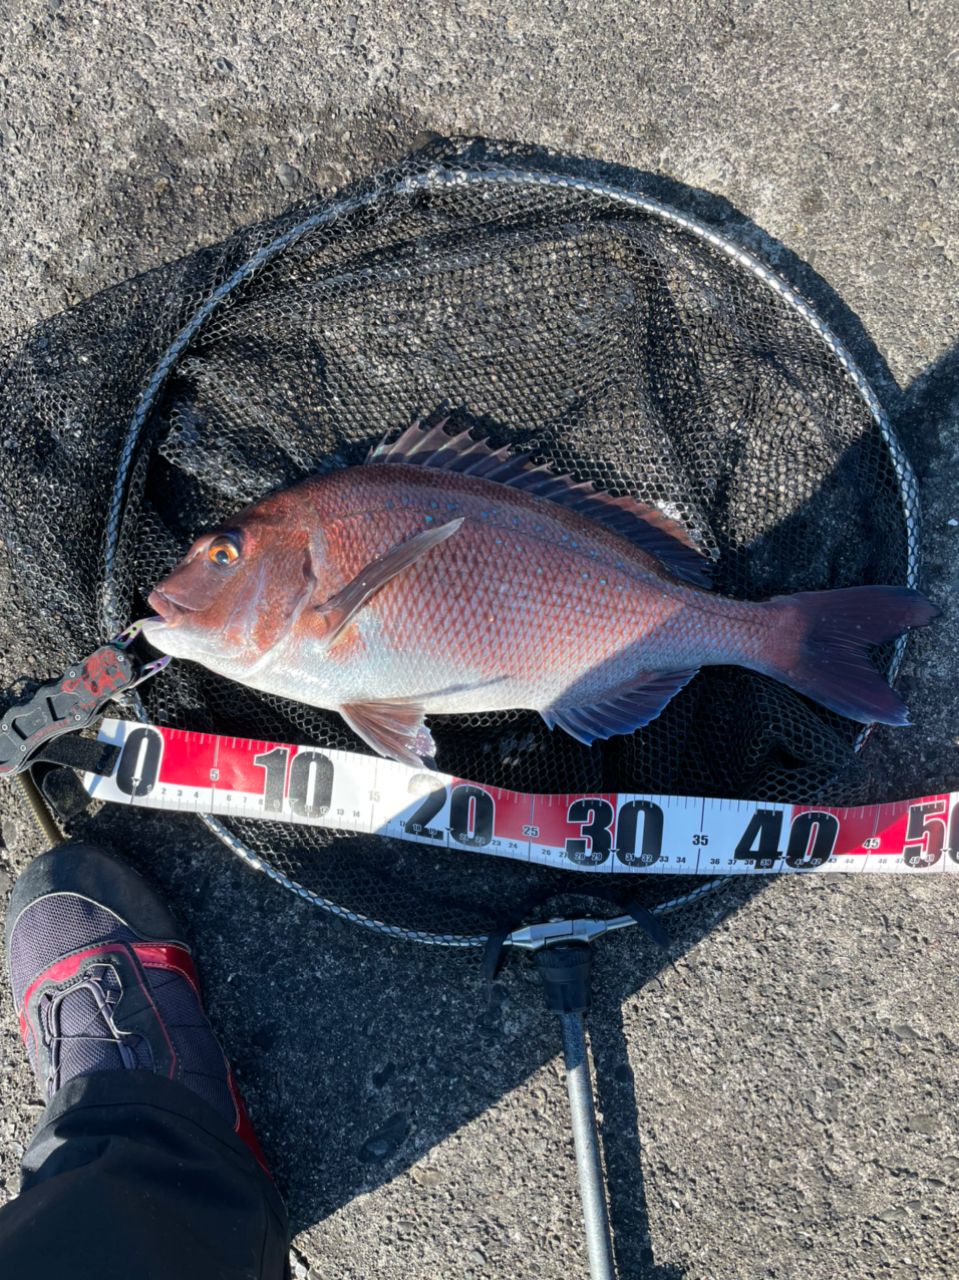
599, 832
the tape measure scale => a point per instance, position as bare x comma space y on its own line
600, 832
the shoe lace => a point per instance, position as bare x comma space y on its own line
105, 987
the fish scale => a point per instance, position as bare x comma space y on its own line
448, 577
541, 626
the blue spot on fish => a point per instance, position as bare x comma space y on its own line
429, 519
434, 503
602, 582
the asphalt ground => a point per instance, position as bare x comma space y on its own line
780, 1099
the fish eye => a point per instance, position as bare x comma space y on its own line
224, 550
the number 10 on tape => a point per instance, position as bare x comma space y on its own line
602, 832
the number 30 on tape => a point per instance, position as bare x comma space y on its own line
603, 832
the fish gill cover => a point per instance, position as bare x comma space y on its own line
552, 306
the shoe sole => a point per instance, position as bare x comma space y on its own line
90, 872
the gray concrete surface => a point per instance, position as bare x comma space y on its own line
782, 1100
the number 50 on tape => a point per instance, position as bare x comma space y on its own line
598, 832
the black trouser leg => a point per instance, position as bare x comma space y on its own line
133, 1177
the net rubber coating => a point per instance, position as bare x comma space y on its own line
558, 306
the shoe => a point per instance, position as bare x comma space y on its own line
102, 982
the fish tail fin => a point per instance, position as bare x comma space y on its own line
822, 641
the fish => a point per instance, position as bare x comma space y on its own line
444, 576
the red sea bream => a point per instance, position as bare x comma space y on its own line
442, 577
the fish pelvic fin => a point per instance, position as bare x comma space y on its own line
624, 712
652, 530
341, 607
393, 729
820, 647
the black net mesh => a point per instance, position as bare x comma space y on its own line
555, 308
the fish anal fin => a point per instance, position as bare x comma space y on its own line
649, 528
626, 711
393, 729
341, 607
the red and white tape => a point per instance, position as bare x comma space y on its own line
599, 832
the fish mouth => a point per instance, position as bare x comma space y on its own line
169, 611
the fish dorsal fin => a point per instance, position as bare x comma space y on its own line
649, 528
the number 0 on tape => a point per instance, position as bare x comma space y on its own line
598, 832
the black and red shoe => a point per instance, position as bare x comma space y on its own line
102, 982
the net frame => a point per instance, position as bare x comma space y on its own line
491, 175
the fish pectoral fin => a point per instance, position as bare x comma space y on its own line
344, 604
627, 711
394, 729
